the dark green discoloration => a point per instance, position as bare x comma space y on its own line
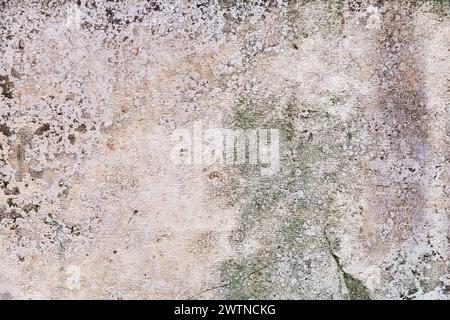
260, 197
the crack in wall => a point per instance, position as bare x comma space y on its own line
355, 287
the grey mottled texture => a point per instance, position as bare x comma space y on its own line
91, 205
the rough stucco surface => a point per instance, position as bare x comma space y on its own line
92, 207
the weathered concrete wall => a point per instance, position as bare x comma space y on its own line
91, 205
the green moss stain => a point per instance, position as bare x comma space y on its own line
284, 198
